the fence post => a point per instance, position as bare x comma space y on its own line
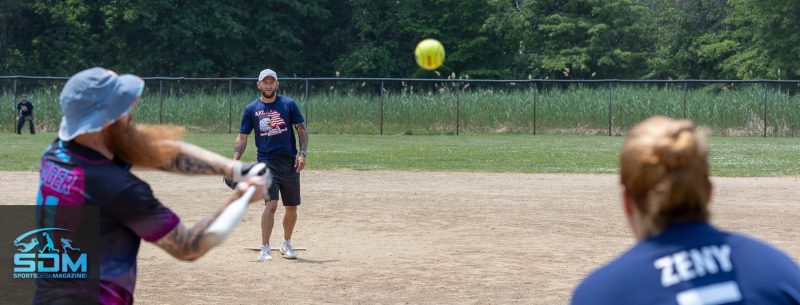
685, 92
308, 102
230, 105
535, 93
610, 88
765, 109
161, 101
458, 106
381, 107
13, 108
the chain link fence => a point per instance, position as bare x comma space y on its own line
447, 106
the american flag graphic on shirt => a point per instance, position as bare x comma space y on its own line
271, 123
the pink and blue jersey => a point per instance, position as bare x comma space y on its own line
74, 175
694, 263
273, 124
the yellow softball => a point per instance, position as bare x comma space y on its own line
430, 54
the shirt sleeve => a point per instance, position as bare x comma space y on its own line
140, 211
247, 123
296, 115
30, 106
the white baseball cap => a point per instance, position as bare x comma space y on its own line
267, 72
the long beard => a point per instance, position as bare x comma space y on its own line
139, 144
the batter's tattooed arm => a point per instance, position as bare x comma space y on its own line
187, 244
239, 146
194, 160
191, 244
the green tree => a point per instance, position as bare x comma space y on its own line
472, 50
767, 39
45, 38
385, 33
375, 38
620, 39
171, 38
378, 45
12, 23
692, 38
212, 38
575, 38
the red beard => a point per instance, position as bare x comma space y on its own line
140, 144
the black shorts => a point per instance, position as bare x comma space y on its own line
285, 179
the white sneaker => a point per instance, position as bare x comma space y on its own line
287, 251
266, 253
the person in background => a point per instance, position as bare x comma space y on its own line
679, 256
25, 114
272, 116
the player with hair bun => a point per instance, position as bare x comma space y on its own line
679, 257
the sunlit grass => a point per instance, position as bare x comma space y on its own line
730, 156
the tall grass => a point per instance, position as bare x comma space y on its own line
447, 108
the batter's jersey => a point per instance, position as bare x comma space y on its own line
71, 175
272, 123
694, 263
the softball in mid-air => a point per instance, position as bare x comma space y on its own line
430, 54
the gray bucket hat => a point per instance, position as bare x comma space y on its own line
94, 98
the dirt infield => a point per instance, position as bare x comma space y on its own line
382, 237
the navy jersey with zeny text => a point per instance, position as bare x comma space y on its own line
272, 123
694, 263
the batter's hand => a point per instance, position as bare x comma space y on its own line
243, 171
229, 182
247, 171
300, 163
258, 182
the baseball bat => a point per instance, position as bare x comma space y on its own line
230, 216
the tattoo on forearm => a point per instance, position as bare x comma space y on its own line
302, 135
187, 164
238, 149
193, 160
186, 243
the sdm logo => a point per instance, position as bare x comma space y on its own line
38, 256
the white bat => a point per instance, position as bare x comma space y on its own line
229, 218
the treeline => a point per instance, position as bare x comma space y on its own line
508, 39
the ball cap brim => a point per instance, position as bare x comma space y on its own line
267, 72
95, 98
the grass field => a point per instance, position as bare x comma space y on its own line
442, 109
730, 156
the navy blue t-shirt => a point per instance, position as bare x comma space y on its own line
273, 125
694, 263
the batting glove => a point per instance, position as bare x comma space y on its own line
243, 171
